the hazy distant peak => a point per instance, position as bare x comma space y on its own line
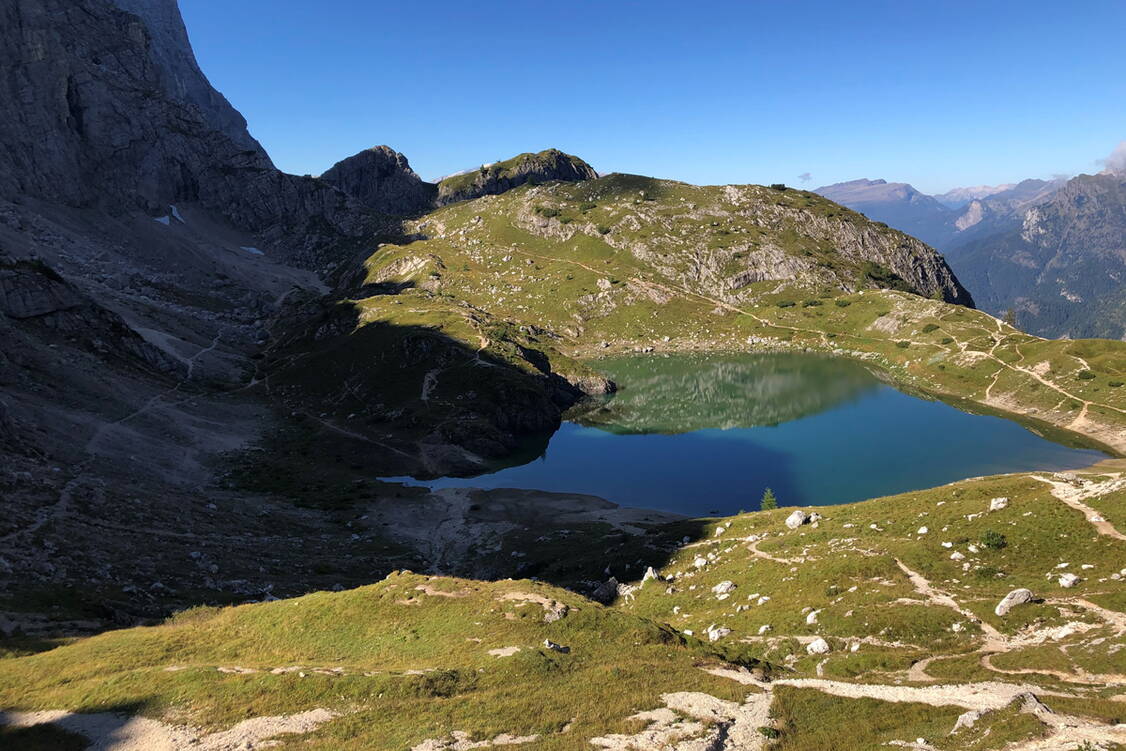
870, 191
960, 196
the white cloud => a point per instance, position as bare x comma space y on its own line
1116, 162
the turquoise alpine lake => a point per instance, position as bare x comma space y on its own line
706, 435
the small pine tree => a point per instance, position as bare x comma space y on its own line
768, 500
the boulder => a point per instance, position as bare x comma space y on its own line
549, 644
817, 647
715, 633
724, 588
1069, 580
29, 290
1011, 600
555, 611
998, 503
650, 575
606, 591
967, 719
796, 519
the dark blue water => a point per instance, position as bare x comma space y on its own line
707, 435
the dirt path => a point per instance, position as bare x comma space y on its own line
753, 548
56, 510
1074, 496
114, 732
994, 639
1083, 678
693, 721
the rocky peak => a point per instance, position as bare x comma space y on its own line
382, 179
496, 178
179, 72
108, 109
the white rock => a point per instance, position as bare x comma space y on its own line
700, 562
764, 628
817, 647
967, 719
715, 633
724, 587
796, 519
1011, 600
811, 618
650, 573
947, 544
922, 531
998, 503
1069, 580
956, 556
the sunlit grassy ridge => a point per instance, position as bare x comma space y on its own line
624, 263
412, 657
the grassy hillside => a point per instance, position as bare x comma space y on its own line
903, 611
621, 264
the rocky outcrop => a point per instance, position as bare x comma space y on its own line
32, 294
719, 240
1011, 600
494, 179
382, 179
106, 108
29, 290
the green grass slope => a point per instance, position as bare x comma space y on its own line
622, 264
901, 589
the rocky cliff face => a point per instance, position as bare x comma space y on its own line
721, 240
108, 109
382, 179
494, 179
1063, 269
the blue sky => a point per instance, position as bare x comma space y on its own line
940, 94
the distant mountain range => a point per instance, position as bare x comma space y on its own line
1051, 251
946, 220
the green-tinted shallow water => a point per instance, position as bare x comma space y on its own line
705, 435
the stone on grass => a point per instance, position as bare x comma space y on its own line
998, 503
1069, 580
817, 647
724, 587
1011, 600
796, 519
715, 633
